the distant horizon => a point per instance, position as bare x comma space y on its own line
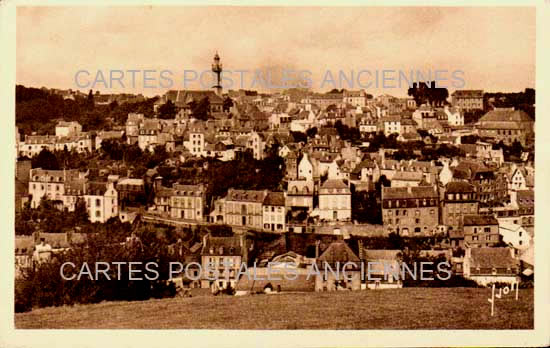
86, 91
54, 43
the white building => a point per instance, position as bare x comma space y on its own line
514, 235
334, 201
274, 212
454, 116
101, 201
49, 184
67, 129
305, 168
392, 124
355, 98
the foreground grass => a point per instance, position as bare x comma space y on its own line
408, 308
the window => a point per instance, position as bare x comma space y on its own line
397, 213
487, 230
97, 213
432, 211
416, 221
404, 213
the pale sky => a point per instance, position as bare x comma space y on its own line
494, 47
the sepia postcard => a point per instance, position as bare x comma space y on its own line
275, 174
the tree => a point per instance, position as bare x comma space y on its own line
311, 132
423, 94
90, 100
227, 104
167, 110
45, 160
201, 110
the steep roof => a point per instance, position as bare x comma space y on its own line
409, 192
381, 254
226, 246
275, 198
492, 257
246, 195
477, 220
459, 187
334, 184
468, 93
338, 252
506, 115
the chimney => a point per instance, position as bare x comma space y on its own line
158, 183
204, 238
317, 243
361, 252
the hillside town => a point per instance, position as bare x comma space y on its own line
294, 177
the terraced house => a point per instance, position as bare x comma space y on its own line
410, 211
244, 208
188, 202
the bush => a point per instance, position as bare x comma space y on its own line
43, 286
23, 302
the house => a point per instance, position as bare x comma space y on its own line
410, 211
507, 125
518, 180
148, 134
355, 98
491, 265
391, 125
49, 184
256, 143
514, 235
459, 200
188, 202
133, 124
300, 194
424, 116
104, 135
305, 168
274, 212
275, 280
480, 231
454, 116
333, 274
468, 99
408, 126
223, 255
334, 201
382, 268
403, 178
101, 201
66, 129
244, 208
130, 191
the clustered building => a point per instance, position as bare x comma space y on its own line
477, 200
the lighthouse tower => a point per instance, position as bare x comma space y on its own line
217, 69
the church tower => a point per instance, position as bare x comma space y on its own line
217, 69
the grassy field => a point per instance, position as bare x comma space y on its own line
408, 308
